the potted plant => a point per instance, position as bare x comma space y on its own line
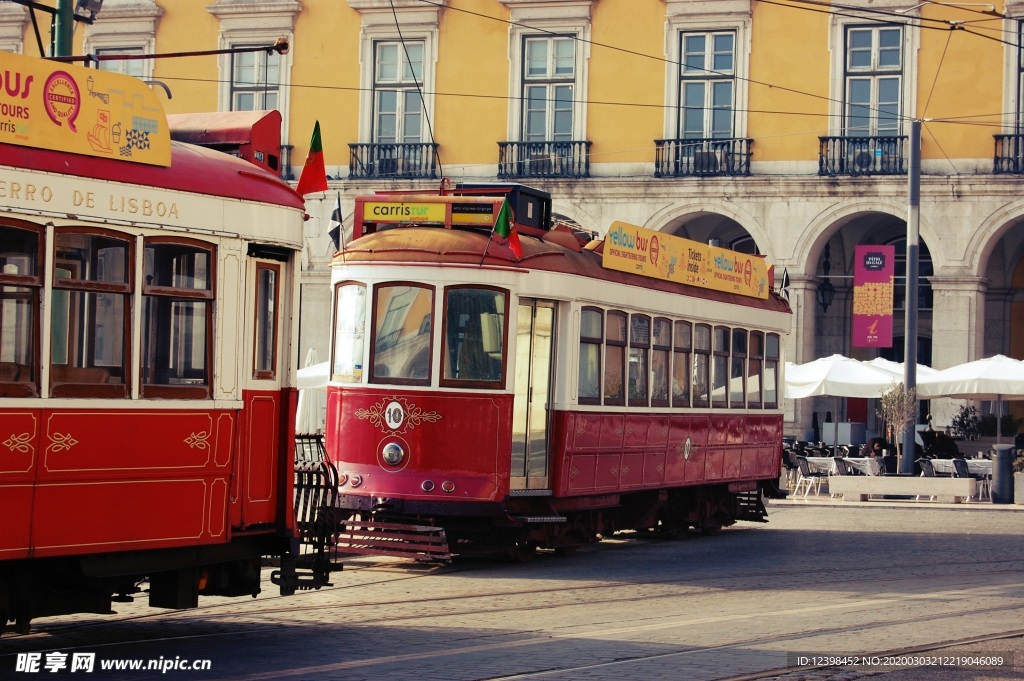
898, 409
966, 424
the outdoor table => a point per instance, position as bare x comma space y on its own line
974, 466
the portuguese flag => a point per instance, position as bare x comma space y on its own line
505, 227
314, 176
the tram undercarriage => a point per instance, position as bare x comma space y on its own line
525, 523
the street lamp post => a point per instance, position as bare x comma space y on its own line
910, 307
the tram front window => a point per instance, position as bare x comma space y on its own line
401, 334
349, 329
20, 285
474, 336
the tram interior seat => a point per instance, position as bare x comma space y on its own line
62, 373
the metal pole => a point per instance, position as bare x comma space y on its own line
910, 307
63, 29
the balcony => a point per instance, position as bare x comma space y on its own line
702, 157
392, 161
544, 159
862, 155
1009, 154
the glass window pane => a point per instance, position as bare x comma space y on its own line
349, 330
17, 332
266, 320
701, 380
737, 374
723, 56
174, 343
387, 63
177, 266
771, 384
683, 336
245, 68
590, 371
662, 335
614, 387
591, 324
637, 376
615, 328
693, 54
536, 58
20, 252
719, 380
680, 379
474, 335
659, 375
413, 70
402, 333
565, 57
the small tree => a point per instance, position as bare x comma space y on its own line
898, 410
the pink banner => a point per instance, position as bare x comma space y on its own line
873, 286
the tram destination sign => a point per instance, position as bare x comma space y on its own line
633, 249
50, 105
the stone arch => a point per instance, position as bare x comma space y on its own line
676, 212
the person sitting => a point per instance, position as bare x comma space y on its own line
876, 446
944, 447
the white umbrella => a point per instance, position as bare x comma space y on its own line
836, 375
311, 410
897, 368
993, 378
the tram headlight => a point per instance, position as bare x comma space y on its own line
393, 454
355, 480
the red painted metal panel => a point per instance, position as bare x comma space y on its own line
731, 462
121, 515
714, 464
631, 470
19, 445
463, 438
657, 431
581, 474
587, 432
718, 433
606, 476
16, 511
613, 428
654, 469
635, 435
142, 444
262, 420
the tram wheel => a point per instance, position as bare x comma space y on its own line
523, 551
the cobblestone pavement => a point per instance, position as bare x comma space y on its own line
820, 579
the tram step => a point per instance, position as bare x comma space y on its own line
537, 518
529, 493
373, 538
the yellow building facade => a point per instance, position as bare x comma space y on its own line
778, 127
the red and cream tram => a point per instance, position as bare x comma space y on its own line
148, 292
484, 402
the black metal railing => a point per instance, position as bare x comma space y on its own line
878, 155
286, 162
1009, 154
702, 157
544, 159
394, 161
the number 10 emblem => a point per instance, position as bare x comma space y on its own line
394, 415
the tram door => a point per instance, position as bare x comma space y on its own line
533, 389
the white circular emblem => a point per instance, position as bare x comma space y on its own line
394, 415
686, 448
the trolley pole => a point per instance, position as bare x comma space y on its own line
910, 307
63, 29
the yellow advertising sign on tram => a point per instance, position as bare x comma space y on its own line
404, 211
50, 105
633, 249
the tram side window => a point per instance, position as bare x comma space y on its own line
21, 284
177, 318
591, 339
682, 350
90, 320
719, 368
738, 369
474, 337
701, 365
349, 330
267, 277
639, 347
615, 359
662, 341
402, 334
771, 371
755, 368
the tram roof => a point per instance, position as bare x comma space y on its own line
558, 251
193, 169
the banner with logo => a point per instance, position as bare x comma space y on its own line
50, 105
873, 289
629, 248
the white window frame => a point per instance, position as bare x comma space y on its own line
418, 22
561, 17
125, 25
718, 16
837, 47
401, 88
251, 22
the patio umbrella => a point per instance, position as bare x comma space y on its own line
838, 376
993, 378
897, 368
311, 410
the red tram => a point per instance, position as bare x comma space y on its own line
148, 298
481, 402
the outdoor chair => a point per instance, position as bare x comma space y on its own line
927, 471
840, 467
961, 470
808, 478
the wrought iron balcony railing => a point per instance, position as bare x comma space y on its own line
702, 157
544, 159
878, 155
1009, 154
393, 161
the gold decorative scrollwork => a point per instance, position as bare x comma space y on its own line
61, 443
198, 440
412, 417
19, 443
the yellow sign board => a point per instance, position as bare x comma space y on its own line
404, 211
629, 248
50, 105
